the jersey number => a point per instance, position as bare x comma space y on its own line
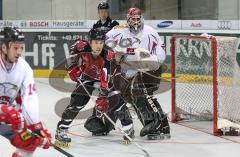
32, 88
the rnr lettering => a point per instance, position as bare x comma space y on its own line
194, 47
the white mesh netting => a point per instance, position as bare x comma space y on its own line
194, 83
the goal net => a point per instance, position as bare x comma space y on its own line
207, 84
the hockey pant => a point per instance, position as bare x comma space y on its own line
79, 98
118, 110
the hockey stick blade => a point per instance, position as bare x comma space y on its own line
129, 138
62, 151
53, 145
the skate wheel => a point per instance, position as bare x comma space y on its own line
126, 142
61, 144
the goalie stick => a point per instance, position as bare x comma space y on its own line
117, 127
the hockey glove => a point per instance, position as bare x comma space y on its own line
74, 73
102, 104
35, 136
12, 116
110, 56
45, 137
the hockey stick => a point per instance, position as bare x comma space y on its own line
61, 150
125, 134
53, 145
114, 124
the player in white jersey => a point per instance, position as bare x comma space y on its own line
19, 113
140, 52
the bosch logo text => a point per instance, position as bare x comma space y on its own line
38, 24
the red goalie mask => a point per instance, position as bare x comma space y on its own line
135, 20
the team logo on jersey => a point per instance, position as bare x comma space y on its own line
5, 100
164, 24
8, 92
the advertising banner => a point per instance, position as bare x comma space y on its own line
68, 24
156, 24
225, 25
49, 49
166, 24
197, 24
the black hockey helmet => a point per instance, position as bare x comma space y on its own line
96, 34
11, 34
103, 5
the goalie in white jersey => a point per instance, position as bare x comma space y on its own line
19, 111
140, 52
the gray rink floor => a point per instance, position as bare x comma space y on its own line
185, 141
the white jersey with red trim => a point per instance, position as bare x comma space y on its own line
148, 39
18, 82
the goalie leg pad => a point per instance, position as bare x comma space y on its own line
157, 127
144, 111
123, 114
95, 125
152, 117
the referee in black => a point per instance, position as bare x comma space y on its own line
105, 23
